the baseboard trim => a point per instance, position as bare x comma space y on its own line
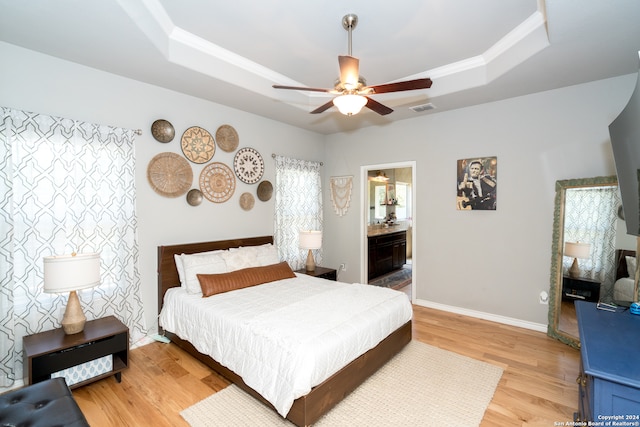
539, 327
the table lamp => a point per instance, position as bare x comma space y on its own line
576, 250
71, 273
310, 240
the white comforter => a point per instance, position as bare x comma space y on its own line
285, 337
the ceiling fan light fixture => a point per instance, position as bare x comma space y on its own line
349, 85
352, 90
349, 104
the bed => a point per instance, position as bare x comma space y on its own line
625, 269
321, 397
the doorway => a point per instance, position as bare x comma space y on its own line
388, 205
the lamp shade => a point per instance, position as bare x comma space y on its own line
310, 239
577, 250
66, 273
349, 104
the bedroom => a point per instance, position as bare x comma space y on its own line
538, 138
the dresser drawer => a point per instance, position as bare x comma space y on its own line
611, 398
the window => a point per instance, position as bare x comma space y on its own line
403, 196
298, 206
68, 186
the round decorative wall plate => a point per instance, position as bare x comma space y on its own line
163, 131
247, 201
169, 174
248, 165
217, 182
198, 145
227, 138
265, 189
194, 197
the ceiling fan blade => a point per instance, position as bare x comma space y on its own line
402, 86
312, 89
323, 107
349, 71
383, 110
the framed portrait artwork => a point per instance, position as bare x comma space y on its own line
477, 184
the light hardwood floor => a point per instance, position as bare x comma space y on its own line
537, 388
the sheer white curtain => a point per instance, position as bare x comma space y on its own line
590, 217
298, 206
65, 186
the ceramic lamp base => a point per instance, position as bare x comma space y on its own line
311, 264
74, 319
574, 271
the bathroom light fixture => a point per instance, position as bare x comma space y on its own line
380, 177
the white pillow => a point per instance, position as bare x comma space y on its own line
180, 268
243, 257
180, 263
212, 263
631, 266
267, 255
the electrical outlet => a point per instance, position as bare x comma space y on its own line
544, 298
343, 267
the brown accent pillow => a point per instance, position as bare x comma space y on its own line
212, 284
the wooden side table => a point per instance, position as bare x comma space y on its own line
51, 351
321, 272
580, 288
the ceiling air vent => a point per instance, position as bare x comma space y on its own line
423, 107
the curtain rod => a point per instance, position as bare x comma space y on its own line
273, 155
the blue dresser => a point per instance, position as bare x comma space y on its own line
609, 379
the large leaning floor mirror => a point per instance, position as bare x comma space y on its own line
593, 258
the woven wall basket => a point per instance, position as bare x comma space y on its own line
169, 174
227, 138
247, 201
265, 190
217, 182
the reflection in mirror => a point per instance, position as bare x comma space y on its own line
389, 195
585, 236
389, 233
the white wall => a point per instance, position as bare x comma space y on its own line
494, 262
489, 262
39, 83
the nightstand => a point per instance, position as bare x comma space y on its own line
53, 351
580, 288
321, 272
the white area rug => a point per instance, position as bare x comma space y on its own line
422, 386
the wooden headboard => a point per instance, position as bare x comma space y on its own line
621, 262
167, 271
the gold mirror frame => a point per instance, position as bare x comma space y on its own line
555, 294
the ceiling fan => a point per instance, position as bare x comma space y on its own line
352, 90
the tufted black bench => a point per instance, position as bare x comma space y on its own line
45, 404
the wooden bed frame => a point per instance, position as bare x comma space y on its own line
306, 409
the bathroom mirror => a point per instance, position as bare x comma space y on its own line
562, 323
